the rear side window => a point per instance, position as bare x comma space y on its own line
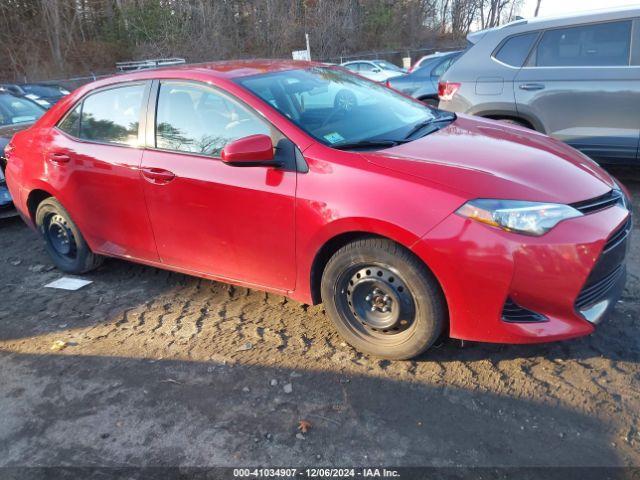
603, 44
112, 116
516, 49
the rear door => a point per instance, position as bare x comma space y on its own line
93, 160
579, 83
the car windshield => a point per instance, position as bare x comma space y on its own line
18, 110
41, 90
339, 108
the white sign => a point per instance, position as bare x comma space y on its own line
301, 55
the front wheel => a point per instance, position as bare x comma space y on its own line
63, 241
382, 299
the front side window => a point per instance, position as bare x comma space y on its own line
197, 119
18, 110
516, 49
112, 116
337, 107
602, 44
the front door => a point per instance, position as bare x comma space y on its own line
207, 216
578, 82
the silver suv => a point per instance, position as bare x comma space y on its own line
575, 78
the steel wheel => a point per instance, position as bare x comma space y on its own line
382, 299
59, 235
63, 241
376, 303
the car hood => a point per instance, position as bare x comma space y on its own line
7, 132
486, 159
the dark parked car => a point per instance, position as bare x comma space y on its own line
422, 83
16, 113
50, 93
18, 91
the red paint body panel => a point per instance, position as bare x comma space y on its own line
235, 221
263, 227
253, 148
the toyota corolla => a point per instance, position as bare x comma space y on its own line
407, 222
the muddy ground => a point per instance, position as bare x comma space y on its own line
166, 369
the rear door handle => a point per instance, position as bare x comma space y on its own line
157, 176
59, 158
531, 86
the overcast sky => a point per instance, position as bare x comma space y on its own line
561, 7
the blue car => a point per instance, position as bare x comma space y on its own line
422, 83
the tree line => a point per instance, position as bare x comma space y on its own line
42, 39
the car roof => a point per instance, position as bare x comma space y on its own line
356, 61
224, 69
538, 23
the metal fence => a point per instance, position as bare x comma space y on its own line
393, 56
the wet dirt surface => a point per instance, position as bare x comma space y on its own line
166, 369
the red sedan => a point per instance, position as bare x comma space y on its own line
311, 182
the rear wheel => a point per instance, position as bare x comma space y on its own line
382, 299
63, 241
432, 102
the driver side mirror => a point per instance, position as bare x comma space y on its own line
251, 151
376, 70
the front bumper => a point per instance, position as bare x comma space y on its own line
481, 268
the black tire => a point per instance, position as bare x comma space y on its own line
513, 121
432, 102
63, 241
382, 299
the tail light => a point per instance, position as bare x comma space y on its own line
446, 90
8, 150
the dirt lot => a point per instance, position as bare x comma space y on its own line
166, 369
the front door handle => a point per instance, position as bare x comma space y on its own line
157, 176
531, 86
59, 158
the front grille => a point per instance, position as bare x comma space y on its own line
599, 290
613, 197
514, 313
619, 236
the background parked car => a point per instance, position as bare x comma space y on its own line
424, 59
376, 70
422, 83
575, 78
49, 92
16, 113
18, 91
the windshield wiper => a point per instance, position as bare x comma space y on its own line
368, 144
419, 126
448, 117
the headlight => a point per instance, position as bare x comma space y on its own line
530, 218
